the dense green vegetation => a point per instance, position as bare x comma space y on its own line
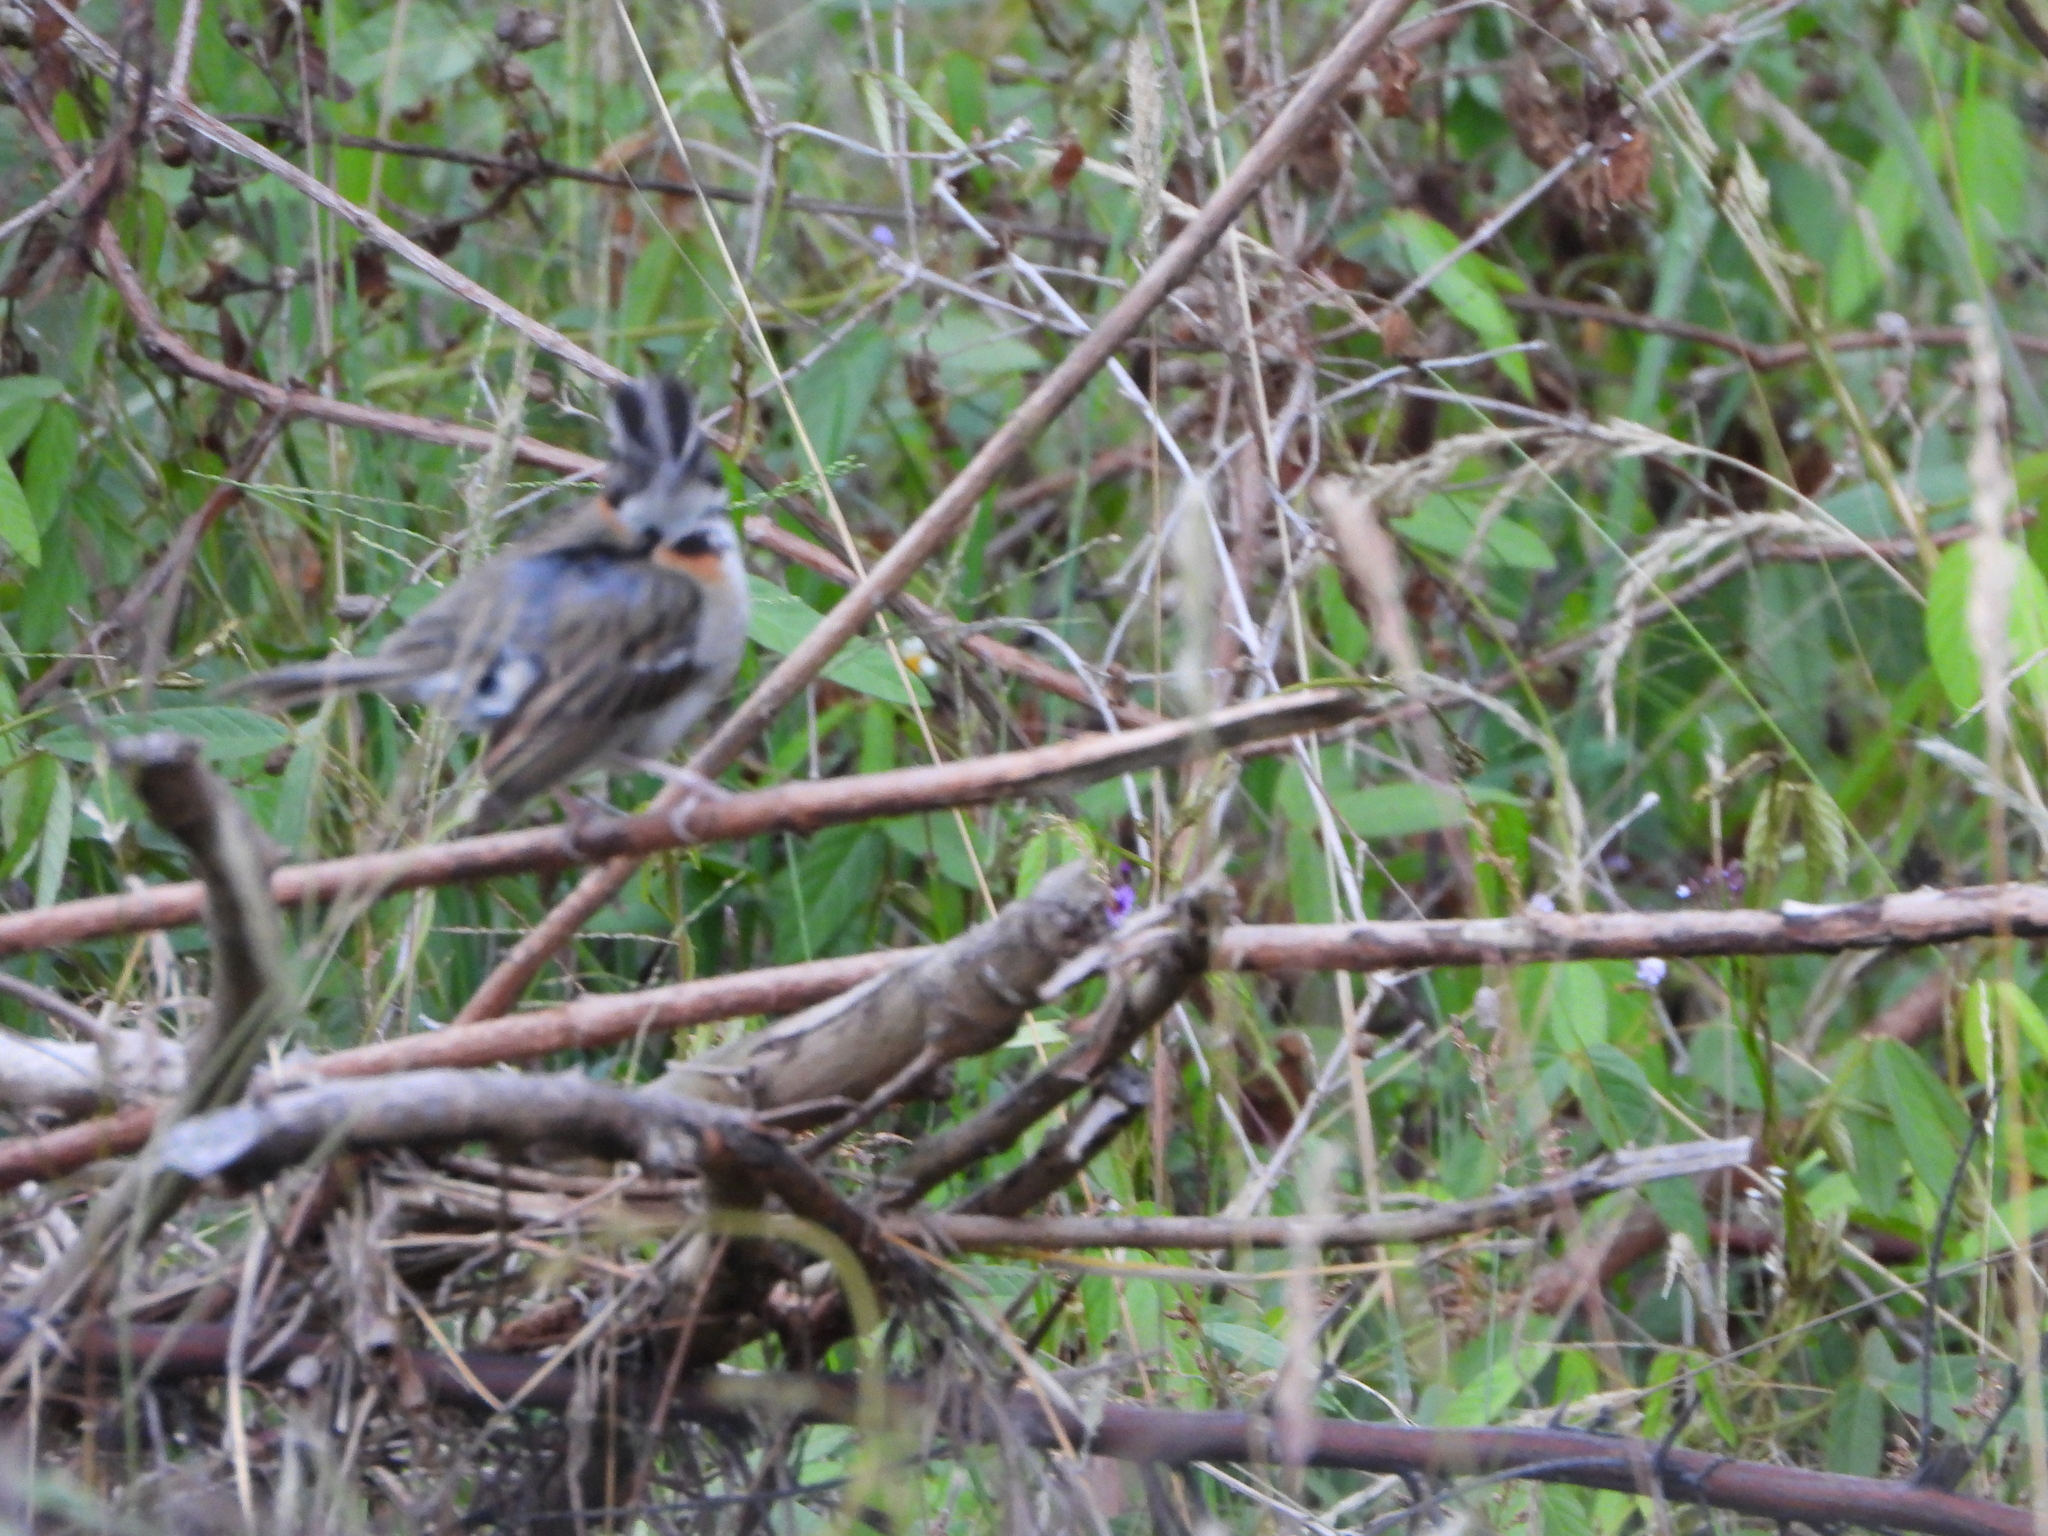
1772, 346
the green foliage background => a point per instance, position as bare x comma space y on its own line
1771, 738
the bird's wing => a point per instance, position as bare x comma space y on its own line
621, 640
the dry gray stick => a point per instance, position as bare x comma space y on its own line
960, 999
1619, 1170
1139, 997
251, 987
249, 1142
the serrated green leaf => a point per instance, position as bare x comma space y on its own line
226, 733
922, 110
1469, 288
1947, 627
17, 522
1448, 523
779, 621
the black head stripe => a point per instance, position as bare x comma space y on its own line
629, 419
654, 424
680, 413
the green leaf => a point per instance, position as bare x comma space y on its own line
55, 849
937, 837
17, 522
1485, 1397
1447, 523
1617, 1098
922, 110
780, 621
1924, 1112
1469, 288
227, 734
1982, 1030
1855, 1439
1991, 165
20, 387
1258, 1347
1574, 1005
1888, 208
49, 463
1947, 627
836, 393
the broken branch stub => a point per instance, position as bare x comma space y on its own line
963, 998
1147, 981
245, 935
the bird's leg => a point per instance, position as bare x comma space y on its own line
676, 774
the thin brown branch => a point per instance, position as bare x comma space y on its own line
943, 519
927, 619
1795, 928
48, 1003
1428, 1223
540, 168
167, 575
251, 986
801, 807
1124, 1094
1764, 357
1923, 917
545, 337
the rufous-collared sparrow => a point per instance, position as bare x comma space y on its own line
597, 643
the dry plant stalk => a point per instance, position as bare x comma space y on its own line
963, 998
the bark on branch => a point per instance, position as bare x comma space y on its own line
1139, 998
963, 998
251, 983
1793, 928
1423, 1224
804, 806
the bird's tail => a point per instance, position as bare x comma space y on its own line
283, 687
661, 466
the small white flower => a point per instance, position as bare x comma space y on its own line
882, 234
1651, 971
1541, 903
1683, 893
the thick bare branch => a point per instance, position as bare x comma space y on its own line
804, 806
1157, 977
963, 998
250, 1142
1924, 916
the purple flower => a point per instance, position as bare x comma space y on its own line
882, 234
1541, 903
1683, 893
1651, 971
1123, 896
1735, 879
